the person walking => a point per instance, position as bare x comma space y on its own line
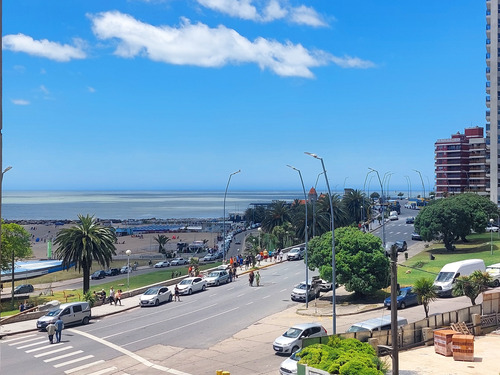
250, 278
51, 329
111, 296
177, 296
118, 297
257, 278
59, 327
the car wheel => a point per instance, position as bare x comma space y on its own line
85, 320
294, 349
217, 283
170, 298
496, 283
157, 302
403, 305
204, 287
190, 291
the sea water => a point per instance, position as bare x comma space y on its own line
122, 205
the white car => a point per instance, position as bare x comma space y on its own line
209, 257
289, 365
494, 272
491, 228
155, 295
162, 264
178, 262
291, 340
192, 285
296, 253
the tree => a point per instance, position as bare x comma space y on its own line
195, 263
353, 201
361, 265
426, 293
15, 246
472, 285
84, 243
277, 214
162, 240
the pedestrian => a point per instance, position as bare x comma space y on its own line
51, 329
250, 278
177, 296
111, 296
230, 273
59, 327
257, 278
118, 297
103, 296
21, 307
235, 275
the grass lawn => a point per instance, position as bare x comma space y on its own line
73, 295
477, 247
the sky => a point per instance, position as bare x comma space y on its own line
179, 94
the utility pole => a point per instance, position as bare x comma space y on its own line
394, 310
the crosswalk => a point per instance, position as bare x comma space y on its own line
61, 356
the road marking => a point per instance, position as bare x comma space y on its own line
283, 290
249, 303
103, 371
43, 348
266, 296
128, 353
22, 342
83, 367
29, 345
63, 356
50, 351
73, 361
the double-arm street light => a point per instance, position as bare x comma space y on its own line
422, 181
305, 234
224, 216
334, 323
409, 186
382, 203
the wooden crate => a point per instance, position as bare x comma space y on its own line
443, 341
463, 347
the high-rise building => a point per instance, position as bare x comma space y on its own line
492, 96
460, 163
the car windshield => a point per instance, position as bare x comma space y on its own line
403, 292
301, 286
294, 356
151, 291
356, 329
186, 282
54, 312
214, 274
292, 333
444, 276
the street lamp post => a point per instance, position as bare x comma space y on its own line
334, 323
1, 181
314, 206
305, 234
128, 252
409, 186
383, 206
491, 236
224, 216
422, 181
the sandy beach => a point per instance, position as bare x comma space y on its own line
144, 244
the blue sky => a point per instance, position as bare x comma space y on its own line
178, 94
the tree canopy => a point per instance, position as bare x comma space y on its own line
15, 243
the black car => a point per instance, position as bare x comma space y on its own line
23, 289
98, 275
112, 272
416, 237
401, 246
410, 220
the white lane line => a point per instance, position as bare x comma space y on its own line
240, 295
63, 356
266, 296
51, 351
22, 342
83, 367
283, 290
103, 371
182, 327
33, 344
45, 347
156, 323
73, 361
249, 303
18, 338
128, 353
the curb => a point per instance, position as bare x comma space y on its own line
303, 313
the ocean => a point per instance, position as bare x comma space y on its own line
126, 205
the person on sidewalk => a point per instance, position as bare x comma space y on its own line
111, 296
118, 297
257, 278
59, 327
177, 296
51, 329
250, 278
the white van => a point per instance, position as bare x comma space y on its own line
376, 324
70, 313
449, 273
494, 271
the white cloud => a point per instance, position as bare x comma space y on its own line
272, 10
20, 102
200, 45
44, 89
352, 62
44, 48
91, 89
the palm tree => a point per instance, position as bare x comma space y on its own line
84, 243
277, 214
323, 220
426, 293
162, 241
472, 286
195, 263
353, 201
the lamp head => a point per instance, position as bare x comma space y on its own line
128, 252
290, 166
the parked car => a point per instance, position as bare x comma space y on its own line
289, 365
299, 292
291, 340
155, 295
217, 278
70, 313
162, 264
416, 237
97, 275
401, 246
376, 324
178, 262
209, 257
23, 289
410, 220
192, 285
125, 269
324, 285
296, 253
494, 271
406, 297
491, 228
112, 272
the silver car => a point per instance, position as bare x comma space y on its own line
289, 365
217, 278
155, 295
192, 285
291, 340
178, 262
